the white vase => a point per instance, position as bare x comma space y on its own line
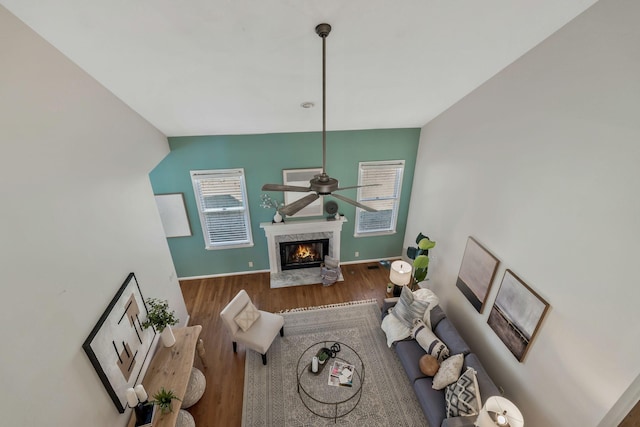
167, 337
277, 217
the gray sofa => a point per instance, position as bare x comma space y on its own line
433, 401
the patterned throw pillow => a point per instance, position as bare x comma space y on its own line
449, 372
463, 397
408, 307
429, 341
247, 316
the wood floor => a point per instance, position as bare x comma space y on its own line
221, 404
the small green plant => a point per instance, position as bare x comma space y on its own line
159, 315
163, 399
323, 354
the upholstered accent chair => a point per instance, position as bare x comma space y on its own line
254, 328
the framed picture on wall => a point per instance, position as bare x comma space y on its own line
118, 346
173, 214
301, 178
516, 314
477, 271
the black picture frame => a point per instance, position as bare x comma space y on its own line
118, 346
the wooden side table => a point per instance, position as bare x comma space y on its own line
170, 368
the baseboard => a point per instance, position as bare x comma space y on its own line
235, 273
238, 273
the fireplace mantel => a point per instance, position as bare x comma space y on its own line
293, 227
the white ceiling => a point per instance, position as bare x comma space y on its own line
212, 67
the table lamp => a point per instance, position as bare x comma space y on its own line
399, 275
498, 411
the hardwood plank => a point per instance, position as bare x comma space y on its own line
221, 403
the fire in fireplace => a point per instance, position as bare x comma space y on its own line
303, 254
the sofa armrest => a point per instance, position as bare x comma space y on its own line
387, 303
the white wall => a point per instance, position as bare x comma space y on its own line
77, 214
540, 164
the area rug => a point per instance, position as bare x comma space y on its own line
270, 392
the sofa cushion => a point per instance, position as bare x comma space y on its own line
462, 397
431, 401
436, 315
429, 341
449, 372
450, 336
409, 352
486, 385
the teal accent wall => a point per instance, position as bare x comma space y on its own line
263, 157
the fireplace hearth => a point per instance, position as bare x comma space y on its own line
303, 254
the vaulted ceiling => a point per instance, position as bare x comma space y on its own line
211, 67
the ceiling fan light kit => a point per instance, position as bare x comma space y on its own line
322, 184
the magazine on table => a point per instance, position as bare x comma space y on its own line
341, 374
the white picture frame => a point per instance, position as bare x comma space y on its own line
301, 178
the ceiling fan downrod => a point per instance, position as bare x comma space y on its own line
323, 31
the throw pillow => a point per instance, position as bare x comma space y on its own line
429, 365
449, 372
429, 341
463, 397
427, 295
247, 316
408, 307
331, 262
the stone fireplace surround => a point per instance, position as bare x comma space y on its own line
294, 230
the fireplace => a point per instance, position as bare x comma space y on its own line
303, 254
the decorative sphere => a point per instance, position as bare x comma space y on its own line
429, 365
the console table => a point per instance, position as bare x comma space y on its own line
170, 368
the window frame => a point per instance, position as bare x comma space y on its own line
210, 244
399, 166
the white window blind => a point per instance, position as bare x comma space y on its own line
384, 197
221, 196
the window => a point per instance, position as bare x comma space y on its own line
384, 197
221, 196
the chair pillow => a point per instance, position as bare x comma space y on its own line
408, 307
449, 372
463, 397
429, 341
247, 316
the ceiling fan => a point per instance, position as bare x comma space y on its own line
322, 184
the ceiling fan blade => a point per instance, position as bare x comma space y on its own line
280, 187
299, 204
356, 186
354, 203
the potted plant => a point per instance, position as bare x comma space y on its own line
420, 257
268, 203
323, 355
161, 319
163, 399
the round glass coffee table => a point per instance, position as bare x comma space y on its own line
322, 392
